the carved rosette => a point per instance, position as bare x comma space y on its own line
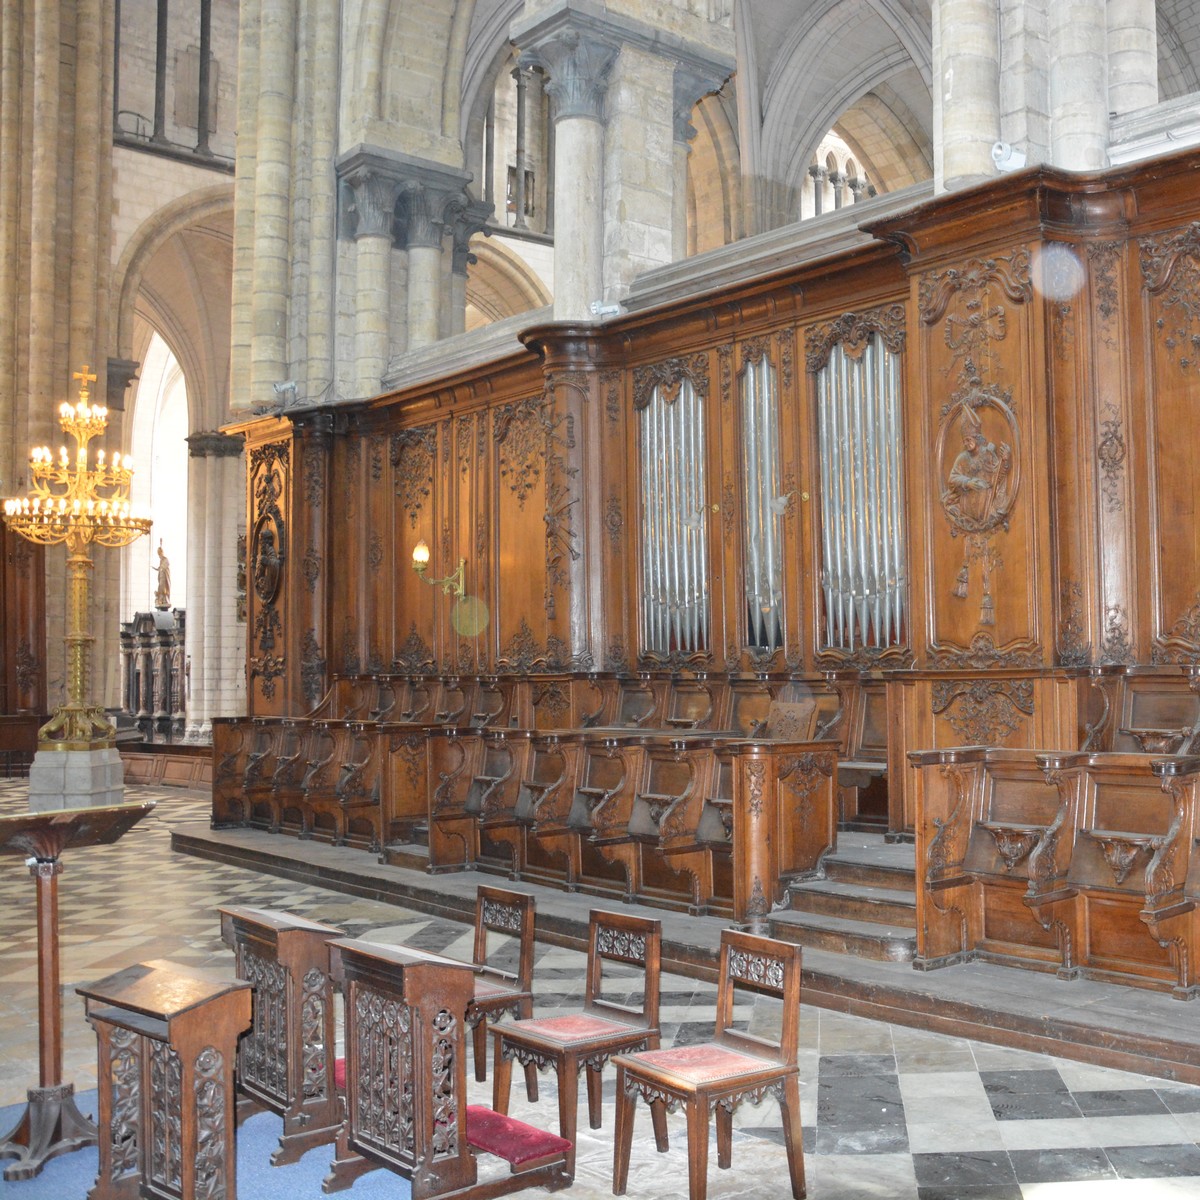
758, 970
852, 331
1171, 274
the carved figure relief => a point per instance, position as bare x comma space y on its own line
981, 480
1171, 272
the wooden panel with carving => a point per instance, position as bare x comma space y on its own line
1169, 263
22, 625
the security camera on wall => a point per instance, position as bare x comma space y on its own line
1006, 157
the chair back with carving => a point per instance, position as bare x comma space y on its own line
510, 917
758, 966
623, 940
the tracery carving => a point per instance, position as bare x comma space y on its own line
1111, 453
520, 433
853, 331
983, 711
756, 969
443, 1079
383, 1029
1171, 272
314, 1054
620, 943
125, 1072
413, 452
668, 377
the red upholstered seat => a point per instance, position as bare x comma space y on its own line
339, 1074
574, 1027
704, 1063
510, 1139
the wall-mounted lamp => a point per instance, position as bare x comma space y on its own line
452, 585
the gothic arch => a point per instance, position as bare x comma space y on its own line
500, 284
176, 273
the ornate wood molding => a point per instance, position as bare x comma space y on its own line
1171, 272
852, 331
983, 711
668, 376
413, 453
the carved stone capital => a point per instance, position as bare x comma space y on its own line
472, 220
121, 373
374, 201
215, 445
577, 67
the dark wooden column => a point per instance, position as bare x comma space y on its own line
311, 570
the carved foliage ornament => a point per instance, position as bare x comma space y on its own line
414, 656
668, 377
520, 435
853, 331
412, 456
983, 712
1171, 272
1111, 452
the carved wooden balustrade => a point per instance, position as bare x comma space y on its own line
1075, 862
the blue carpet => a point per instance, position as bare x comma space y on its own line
71, 1176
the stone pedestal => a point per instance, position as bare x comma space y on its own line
76, 779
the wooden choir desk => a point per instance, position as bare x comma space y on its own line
285, 1062
406, 1084
166, 1046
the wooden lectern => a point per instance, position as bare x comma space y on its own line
285, 1062
167, 1041
51, 1124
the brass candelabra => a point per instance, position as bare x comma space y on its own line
77, 502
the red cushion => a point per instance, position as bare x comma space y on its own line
339, 1074
705, 1062
509, 1138
575, 1027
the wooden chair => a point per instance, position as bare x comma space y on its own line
500, 992
575, 1041
719, 1074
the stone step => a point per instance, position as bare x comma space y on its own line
838, 935
888, 906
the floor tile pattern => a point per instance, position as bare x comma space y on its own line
888, 1111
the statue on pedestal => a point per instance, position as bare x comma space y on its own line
162, 594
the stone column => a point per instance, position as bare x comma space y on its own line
424, 230
472, 221
819, 175
272, 202
1132, 55
521, 77
374, 208
1078, 85
578, 72
966, 104
242, 292
212, 641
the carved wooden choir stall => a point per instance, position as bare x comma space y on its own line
938, 481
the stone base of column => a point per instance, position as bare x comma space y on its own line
76, 779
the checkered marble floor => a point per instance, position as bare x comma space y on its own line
888, 1111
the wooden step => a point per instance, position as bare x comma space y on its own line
870, 874
412, 855
864, 939
854, 902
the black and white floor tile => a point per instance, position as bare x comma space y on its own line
889, 1112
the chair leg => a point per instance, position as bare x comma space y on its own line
724, 1122
595, 1094
501, 1078
531, 1083
658, 1114
568, 1103
793, 1135
697, 1136
623, 1134
479, 1040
